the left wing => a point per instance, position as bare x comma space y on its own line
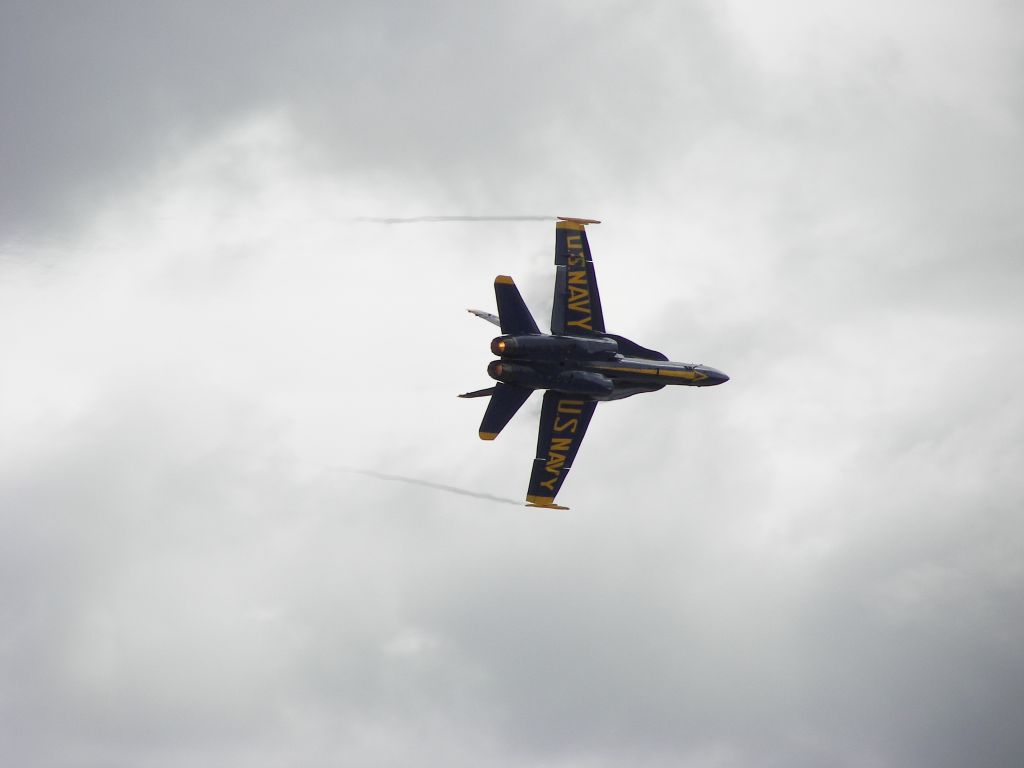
563, 422
577, 307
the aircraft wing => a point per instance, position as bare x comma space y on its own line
577, 307
563, 422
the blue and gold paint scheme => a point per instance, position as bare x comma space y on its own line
577, 305
563, 422
579, 364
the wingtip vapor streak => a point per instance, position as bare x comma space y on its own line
579, 364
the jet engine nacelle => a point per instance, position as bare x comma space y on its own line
538, 347
587, 383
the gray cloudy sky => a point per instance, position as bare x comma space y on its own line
220, 388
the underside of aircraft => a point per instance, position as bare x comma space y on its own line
579, 364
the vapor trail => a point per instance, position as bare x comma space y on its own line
429, 484
423, 219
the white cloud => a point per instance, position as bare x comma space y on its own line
813, 564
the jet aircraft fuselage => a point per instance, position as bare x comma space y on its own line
578, 363
590, 366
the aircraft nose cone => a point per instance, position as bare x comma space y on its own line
714, 375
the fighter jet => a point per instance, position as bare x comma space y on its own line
578, 363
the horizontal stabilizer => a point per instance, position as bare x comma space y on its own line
485, 316
479, 393
506, 400
513, 313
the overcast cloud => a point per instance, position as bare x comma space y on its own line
243, 517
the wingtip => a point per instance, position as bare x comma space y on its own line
543, 502
488, 435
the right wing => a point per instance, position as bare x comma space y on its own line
577, 307
563, 422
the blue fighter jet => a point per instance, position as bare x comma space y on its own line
578, 363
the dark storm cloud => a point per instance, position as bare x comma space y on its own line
815, 564
469, 101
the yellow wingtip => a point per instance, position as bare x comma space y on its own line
543, 502
503, 280
488, 435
